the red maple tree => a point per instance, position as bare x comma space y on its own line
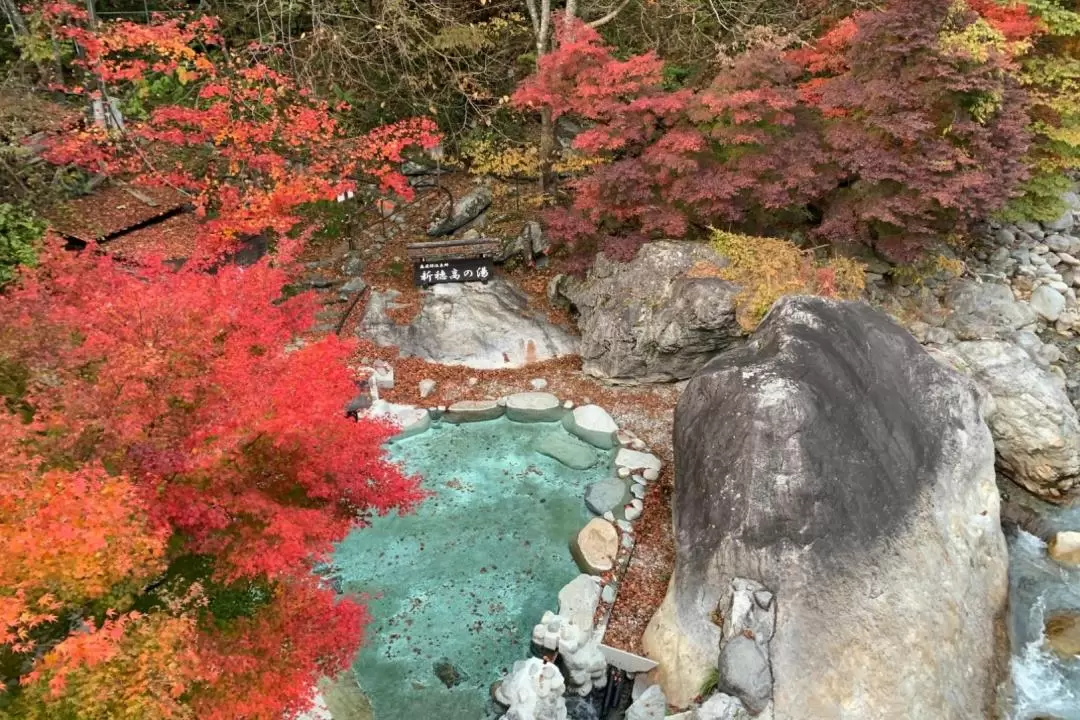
181, 472
899, 125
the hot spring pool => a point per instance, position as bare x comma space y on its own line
465, 578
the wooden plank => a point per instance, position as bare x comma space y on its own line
461, 249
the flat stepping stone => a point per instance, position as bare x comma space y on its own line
595, 547
411, 420
636, 460
465, 411
568, 450
592, 424
603, 497
534, 407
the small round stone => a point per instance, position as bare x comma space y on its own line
623, 472
650, 474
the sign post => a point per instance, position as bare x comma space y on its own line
453, 261
426, 274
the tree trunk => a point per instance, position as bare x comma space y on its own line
547, 149
13, 17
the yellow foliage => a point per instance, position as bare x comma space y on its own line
488, 157
976, 40
917, 273
770, 268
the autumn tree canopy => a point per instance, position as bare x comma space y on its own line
173, 463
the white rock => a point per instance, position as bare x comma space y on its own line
538, 383
721, 707
427, 387
592, 424
1065, 547
638, 491
610, 516
633, 510
1068, 259
383, 375
636, 460
533, 690
1048, 302
533, 407
578, 600
650, 474
411, 420
623, 472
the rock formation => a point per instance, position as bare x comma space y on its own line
479, 326
832, 460
657, 318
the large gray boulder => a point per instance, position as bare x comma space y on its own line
654, 319
466, 209
1035, 426
479, 326
832, 460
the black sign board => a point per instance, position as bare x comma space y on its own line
426, 273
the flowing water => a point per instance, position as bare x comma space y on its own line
1044, 685
455, 588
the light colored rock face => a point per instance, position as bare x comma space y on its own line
646, 321
596, 546
534, 407
579, 599
533, 691
650, 706
592, 424
478, 326
835, 462
1036, 429
986, 311
1064, 547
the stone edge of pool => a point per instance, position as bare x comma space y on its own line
588, 599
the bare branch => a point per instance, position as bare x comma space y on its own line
610, 16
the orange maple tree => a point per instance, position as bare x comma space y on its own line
173, 465
251, 147
173, 474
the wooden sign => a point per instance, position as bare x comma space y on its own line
452, 270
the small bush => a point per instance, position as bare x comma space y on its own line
770, 268
20, 232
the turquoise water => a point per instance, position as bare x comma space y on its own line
467, 576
